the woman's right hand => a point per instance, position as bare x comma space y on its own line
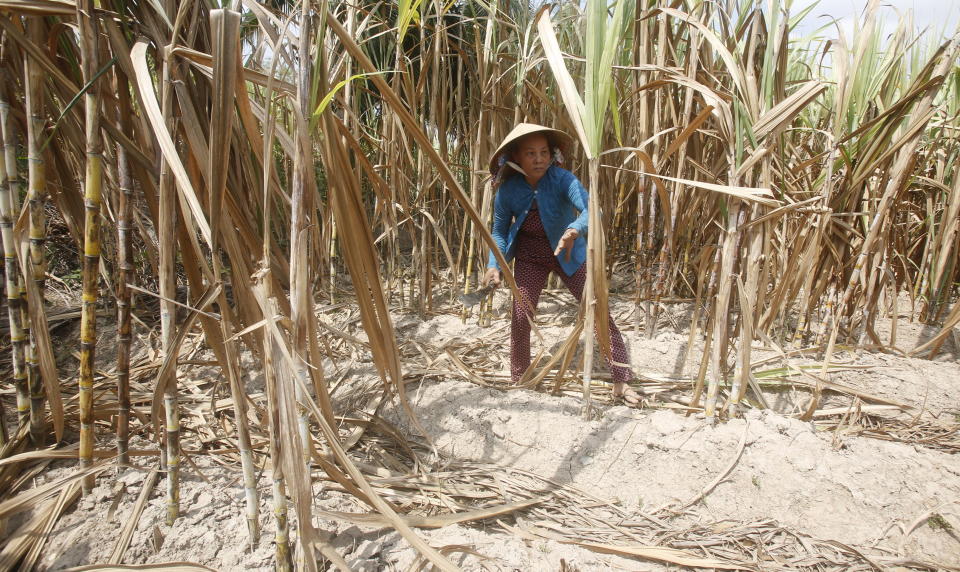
492, 277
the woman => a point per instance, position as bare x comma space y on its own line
536, 222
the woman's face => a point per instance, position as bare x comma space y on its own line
533, 156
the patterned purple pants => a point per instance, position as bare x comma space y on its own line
535, 261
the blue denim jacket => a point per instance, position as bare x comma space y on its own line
559, 197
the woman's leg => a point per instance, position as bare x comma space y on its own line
531, 278
619, 373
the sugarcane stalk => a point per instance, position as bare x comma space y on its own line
883, 209
239, 399
721, 310
89, 53
35, 383
37, 199
302, 211
655, 265
423, 305
172, 441
4, 439
225, 26
638, 268
34, 379
126, 274
166, 233
284, 562
9, 207
332, 265
468, 269
594, 243
821, 220
748, 313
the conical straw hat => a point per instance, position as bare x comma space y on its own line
555, 136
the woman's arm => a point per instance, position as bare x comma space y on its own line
566, 243
501, 226
577, 195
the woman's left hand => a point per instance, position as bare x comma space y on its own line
566, 243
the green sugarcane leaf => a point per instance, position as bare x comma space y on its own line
615, 116
75, 100
568, 89
407, 12
322, 106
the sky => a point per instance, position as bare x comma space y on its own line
940, 16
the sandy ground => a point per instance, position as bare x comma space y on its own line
886, 498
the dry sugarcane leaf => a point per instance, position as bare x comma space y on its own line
849, 391
464, 369
332, 438
949, 324
370, 409
360, 255
946, 237
225, 29
786, 110
284, 139
18, 544
268, 22
38, 54
16, 443
655, 553
719, 101
338, 476
730, 62
661, 554
781, 211
159, 567
44, 349
684, 135
123, 541
415, 130
757, 195
435, 521
204, 63
67, 497
259, 143
170, 359
915, 129
39, 7
31, 497
64, 453
864, 408
169, 150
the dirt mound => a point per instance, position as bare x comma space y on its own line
767, 478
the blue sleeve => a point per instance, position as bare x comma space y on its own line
501, 225
577, 195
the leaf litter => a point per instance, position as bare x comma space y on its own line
522, 481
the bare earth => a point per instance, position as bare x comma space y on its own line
888, 499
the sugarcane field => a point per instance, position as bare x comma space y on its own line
494, 285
